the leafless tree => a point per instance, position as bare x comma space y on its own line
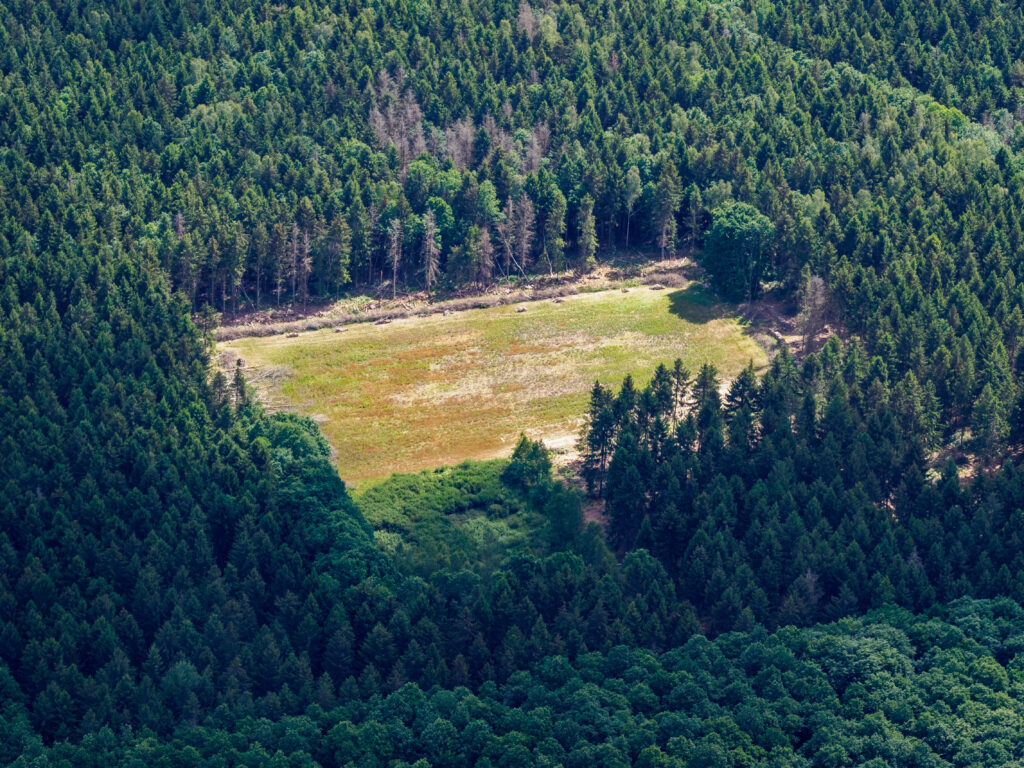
435, 141
505, 231
540, 142
523, 232
485, 258
527, 19
179, 225
667, 235
814, 303
431, 251
632, 192
500, 139
186, 267
396, 118
395, 252
459, 142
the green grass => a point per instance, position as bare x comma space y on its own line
425, 392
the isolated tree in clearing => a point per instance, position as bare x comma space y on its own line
530, 465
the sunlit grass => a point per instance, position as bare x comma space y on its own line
425, 392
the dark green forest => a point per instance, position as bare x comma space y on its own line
818, 566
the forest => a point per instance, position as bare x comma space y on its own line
819, 565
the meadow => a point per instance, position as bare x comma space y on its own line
424, 392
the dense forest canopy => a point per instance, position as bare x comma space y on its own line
184, 580
264, 153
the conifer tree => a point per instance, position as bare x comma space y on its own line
587, 240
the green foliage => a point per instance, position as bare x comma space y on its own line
883, 689
529, 467
737, 249
562, 507
454, 517
804, 496
184, 579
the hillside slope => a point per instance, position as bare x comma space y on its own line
183, 579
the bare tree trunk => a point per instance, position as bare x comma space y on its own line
395, 253
293, 252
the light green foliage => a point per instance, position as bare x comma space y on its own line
450, 517
530, 466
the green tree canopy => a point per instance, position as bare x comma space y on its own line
737, 250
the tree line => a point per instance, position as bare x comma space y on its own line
260, 160
184, 578
802, 496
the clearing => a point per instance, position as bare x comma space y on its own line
423, 392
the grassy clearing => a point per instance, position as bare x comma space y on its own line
424, 392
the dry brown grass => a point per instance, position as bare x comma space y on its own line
422, 392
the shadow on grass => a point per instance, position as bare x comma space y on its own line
696, 304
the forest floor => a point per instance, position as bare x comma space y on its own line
427, 391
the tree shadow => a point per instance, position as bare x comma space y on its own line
697, 304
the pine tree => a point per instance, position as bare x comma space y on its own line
587, 240
669, 197
361, 225
597, 438
743, 390
337, 253
260, 248
988, 424
304, 265
563, 509
680, 387
294, 246
625, 492
280, 246
554, 230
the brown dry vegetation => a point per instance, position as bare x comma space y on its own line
423, 392
380, 307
